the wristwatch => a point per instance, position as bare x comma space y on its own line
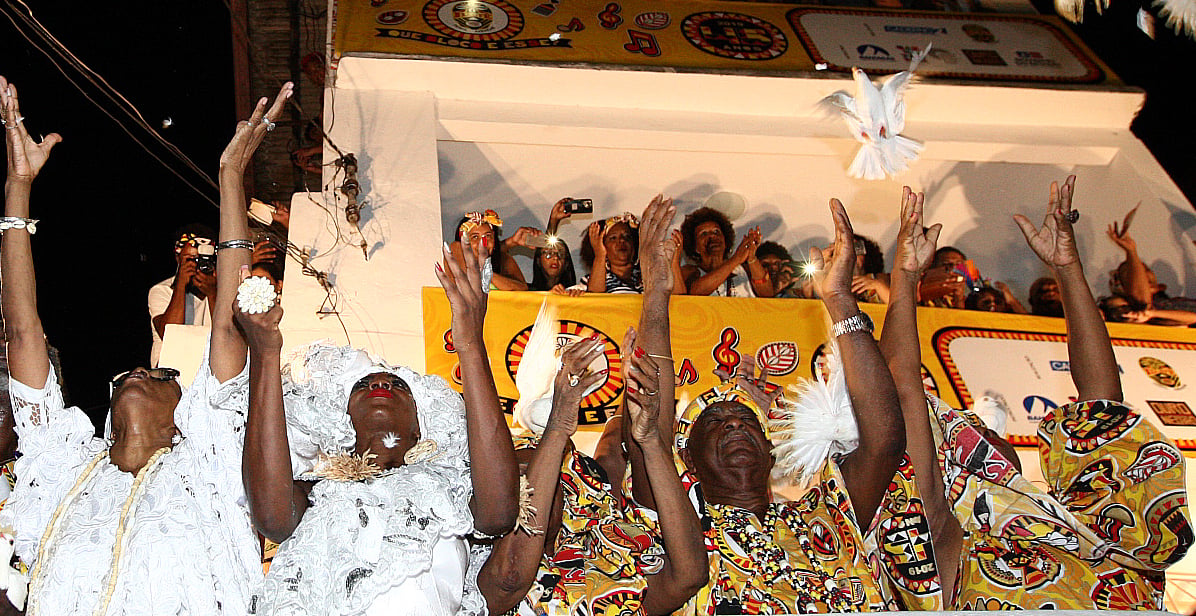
859, 323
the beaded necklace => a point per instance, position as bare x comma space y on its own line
52, 529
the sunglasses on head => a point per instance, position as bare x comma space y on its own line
157, 374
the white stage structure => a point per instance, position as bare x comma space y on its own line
436, 138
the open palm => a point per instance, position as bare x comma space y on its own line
26, 157
915, 244
1055, 241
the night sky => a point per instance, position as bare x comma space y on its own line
109, 210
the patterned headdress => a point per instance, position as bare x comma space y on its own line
473, 219
192, 239
626, 217
726, 392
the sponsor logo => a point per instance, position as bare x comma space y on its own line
1060, 365
915, 29
979, 33
734, 35
872, 52
1033, 58
1037, 407
1173, 413
984, 57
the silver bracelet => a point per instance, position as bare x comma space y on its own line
860, 322
246, 244
13, 222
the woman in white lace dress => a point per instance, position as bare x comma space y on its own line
361, 470
149, 520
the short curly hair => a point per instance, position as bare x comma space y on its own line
698, 217
772, 249
874, 257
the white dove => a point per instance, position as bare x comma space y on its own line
13, 582
537, 370
876, 118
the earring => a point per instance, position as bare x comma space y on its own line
176, 439
424, 451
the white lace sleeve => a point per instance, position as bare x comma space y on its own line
211, 418
55, 444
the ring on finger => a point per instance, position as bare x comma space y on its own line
574, 379
269, 125
1073, 216
648, 392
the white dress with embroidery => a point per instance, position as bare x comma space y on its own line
394, 544
188, 545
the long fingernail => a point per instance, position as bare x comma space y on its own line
446, 248
593, 336
263, 100
438, 268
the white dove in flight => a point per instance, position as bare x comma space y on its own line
876, 118
536, 372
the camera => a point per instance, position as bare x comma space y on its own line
579, 206
205, 259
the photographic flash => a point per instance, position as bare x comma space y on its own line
552, 240
808, 268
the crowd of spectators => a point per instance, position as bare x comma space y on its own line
707, 265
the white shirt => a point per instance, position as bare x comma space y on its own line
188, 545
159, 298
738, 284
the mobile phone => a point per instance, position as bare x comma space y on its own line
542, 241
579, 206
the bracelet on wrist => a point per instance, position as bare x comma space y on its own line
16, 222
247, 244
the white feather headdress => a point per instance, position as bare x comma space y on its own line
820, 424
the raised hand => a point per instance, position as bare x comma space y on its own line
1121, 235
748, 245
657, 248
641, 378
1055, 242
833, 279
558, 214
521, 236
572, 381
596, 234
915, 243
745, 377
465, 294
251, 132
26, 157
261, 329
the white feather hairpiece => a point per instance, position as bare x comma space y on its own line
820, 424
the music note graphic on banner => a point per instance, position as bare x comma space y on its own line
574, 25
642, 42
609, 17
724, 353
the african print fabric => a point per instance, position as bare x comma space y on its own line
807, 555
601, 555
1114, 519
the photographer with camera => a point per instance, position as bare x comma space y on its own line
183, 298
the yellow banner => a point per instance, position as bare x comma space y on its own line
964, 353
715, 35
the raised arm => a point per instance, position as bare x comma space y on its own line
901, 348
28, 361
511, 569
597, 280
276, 501
868, 470
494, 471
686, 568
1136, 282
657, 250
1093, 365
227, 355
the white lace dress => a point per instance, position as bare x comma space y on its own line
394, 544
187, 547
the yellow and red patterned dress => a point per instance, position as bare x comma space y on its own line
601, 556
1113, 519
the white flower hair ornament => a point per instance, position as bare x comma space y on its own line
819, 425
317, 379
256, 295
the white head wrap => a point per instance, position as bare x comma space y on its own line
316, 381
